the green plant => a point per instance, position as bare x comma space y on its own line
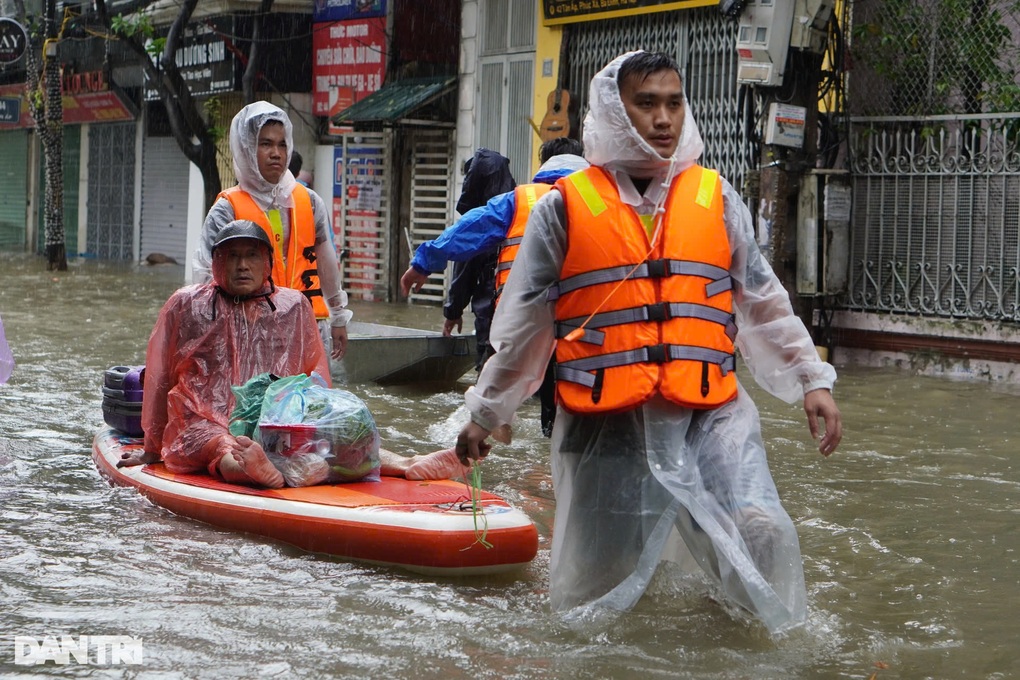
213, 109
139, 25
940, 57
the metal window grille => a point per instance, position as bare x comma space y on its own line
936, 165
431, 204
111, 202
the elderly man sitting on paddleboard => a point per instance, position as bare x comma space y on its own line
212, 336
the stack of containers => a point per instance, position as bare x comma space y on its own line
122, 399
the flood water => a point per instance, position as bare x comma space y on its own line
909, 534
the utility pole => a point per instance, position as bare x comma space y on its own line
779, 48
783, 169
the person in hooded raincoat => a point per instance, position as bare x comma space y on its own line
659, 472
294, 217
486, 227
212, 336
474, 279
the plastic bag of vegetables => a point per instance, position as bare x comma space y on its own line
318, 435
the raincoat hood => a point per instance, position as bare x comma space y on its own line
559, 166
266, 290
487, 175
612, 141
244, 137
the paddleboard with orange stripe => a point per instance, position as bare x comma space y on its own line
425, 527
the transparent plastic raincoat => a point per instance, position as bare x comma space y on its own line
205, 341
244, 133
660, 482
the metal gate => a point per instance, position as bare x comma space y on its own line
111, 202
13, 190
703, 43
365, 206
431, 200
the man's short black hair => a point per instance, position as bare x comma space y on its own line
295, 163
558, 147
644, 64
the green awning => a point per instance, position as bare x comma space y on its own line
396, 100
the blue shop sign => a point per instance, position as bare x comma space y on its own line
341, 10
10, 110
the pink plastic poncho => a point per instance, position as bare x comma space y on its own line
203, 343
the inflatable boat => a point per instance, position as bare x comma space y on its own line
433, 528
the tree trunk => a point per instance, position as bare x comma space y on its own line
45, 104
53, 146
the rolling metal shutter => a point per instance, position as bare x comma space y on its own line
165, 173
13, 190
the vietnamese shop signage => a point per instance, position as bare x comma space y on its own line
203, 59
348, 62
13, 41
10, 110
340, 10
572, 11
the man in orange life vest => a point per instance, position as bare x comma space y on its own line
294, 217
500, 222
638, 273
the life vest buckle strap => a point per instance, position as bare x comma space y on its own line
568, 374
660, 311
731, 328
719, 286
658, 354
579, 370
657, 269
591, 336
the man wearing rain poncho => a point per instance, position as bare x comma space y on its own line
211, 338
295, 218
638, 273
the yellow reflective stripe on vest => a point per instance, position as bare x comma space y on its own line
589, 194
276, 223
706, 188
531, 195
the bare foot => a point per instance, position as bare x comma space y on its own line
437, 465
137, 457
248, 464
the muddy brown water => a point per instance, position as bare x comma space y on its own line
909, 534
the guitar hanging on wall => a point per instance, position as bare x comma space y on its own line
556, 122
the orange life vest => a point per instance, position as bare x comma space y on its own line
525, 198
297, 270
668, 327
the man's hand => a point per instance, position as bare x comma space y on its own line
471, 444
820, 404
450, 324
137, 457
412, 280
339, 335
